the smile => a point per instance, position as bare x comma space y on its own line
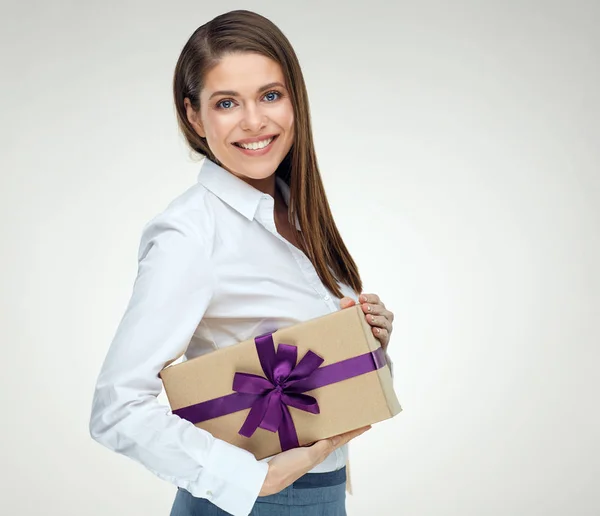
256, 148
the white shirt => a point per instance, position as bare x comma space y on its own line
212, 271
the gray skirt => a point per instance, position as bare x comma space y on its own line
314, 494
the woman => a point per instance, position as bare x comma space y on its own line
250, 248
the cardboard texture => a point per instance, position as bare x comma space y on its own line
344, 406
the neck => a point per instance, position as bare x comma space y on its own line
265, 185
268, 185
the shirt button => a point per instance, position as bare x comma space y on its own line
326, 298
208, 494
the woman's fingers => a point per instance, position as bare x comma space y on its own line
370, 308
380, 321
348, 436
370, 298
323, 448
378, 316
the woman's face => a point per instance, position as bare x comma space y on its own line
245, 100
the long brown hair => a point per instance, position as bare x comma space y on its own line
246, 31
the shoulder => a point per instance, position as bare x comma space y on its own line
187, 222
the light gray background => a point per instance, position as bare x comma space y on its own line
459, 147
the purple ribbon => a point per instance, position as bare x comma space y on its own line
283, 386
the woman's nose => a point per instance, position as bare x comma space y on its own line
254, 120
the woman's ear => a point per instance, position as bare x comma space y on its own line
193, 117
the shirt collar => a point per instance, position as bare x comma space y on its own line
235, 191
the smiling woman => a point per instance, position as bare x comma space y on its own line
238, 80
256, 120
253, 242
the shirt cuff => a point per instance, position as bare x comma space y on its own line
231, 478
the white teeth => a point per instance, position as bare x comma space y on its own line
256, 145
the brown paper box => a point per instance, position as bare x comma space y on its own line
344, 406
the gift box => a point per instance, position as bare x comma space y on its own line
287, 388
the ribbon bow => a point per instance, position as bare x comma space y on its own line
282, 387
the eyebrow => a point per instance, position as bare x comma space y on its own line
236, 94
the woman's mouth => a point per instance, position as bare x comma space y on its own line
256, 148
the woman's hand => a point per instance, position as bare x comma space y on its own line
288, 466
377, 315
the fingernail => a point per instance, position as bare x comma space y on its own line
336, 440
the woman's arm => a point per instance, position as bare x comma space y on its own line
171, 292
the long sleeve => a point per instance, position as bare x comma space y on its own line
171, 292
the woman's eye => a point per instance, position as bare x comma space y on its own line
220, 104
273, 93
